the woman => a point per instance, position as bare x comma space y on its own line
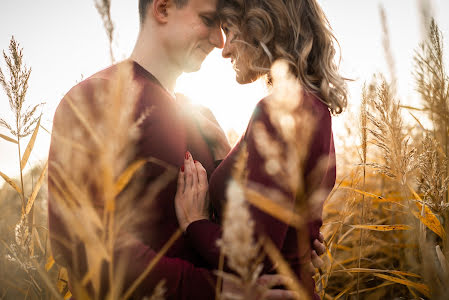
258, 33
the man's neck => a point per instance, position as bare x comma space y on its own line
152, 57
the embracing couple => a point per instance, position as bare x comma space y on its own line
175, 37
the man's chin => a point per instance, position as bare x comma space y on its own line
191, 68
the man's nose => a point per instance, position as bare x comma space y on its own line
216, 37
226, 53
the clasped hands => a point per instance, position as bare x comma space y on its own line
190, 201
191, 204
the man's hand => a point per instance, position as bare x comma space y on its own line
262, 290
190, 199
318, 249
212, 132
209, 127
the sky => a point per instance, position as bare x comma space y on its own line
64, 41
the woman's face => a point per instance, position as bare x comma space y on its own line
235, 49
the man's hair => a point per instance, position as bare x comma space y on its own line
143, 5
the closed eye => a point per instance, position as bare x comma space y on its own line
208, 21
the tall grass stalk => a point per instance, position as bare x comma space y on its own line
26, 121
92, 189
104, 10
364, 146
433, 85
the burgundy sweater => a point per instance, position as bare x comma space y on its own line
319, 175
166, 134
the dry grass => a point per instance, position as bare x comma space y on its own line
390, 239
104, 10
386, 221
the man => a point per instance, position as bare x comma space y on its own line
89, 226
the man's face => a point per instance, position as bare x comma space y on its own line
194, 31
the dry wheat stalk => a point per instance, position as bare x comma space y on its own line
90, 194
104, 9
21, 251
16, 87
386, 43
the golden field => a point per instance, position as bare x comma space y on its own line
385, 222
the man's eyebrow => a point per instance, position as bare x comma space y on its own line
211, 14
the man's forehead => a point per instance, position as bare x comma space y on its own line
205, 6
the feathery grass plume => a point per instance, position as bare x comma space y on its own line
426, 12
389, 136
237, 244
433, 84
104, 9
21, 249
347, 257
284, 152
386, 43
432, 185
92, 193
414, 261
433, 180
286, 164
159, 291
16, 87
283, 145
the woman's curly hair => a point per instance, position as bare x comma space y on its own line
296, 31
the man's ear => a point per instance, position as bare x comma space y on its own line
160, 10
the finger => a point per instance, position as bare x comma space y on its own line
309, 268
188, 170
280, 295
316, 260
192, 168
321, 237
319, 247
269, 281
202, 175
181, 181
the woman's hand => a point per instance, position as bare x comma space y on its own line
190, 199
